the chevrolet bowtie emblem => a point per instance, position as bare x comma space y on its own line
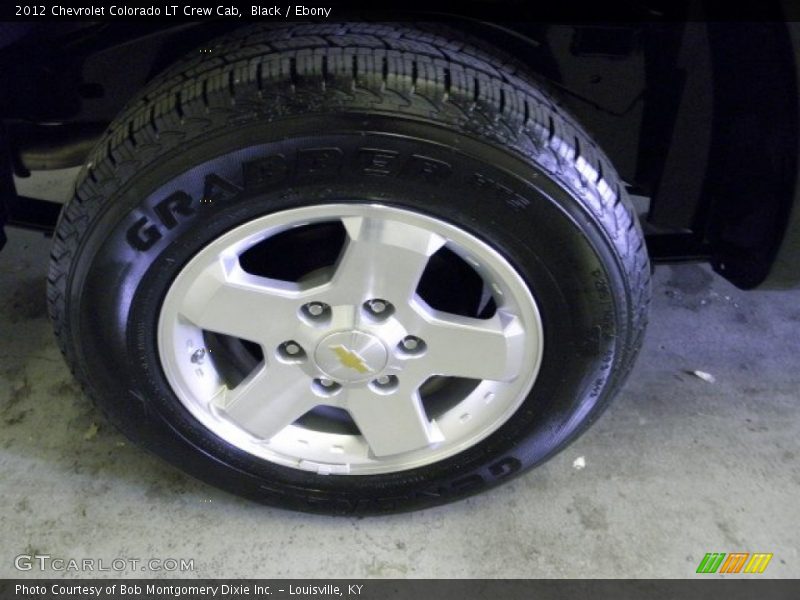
350, 359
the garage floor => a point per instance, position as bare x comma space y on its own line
679, 466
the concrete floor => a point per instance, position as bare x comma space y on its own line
676, 468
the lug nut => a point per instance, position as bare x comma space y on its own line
316, 312
325, 387
291, 351
379, 308
315, 309
384, 384
411, 344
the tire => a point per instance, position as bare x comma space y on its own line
418, 130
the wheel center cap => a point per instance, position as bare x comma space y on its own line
351, 356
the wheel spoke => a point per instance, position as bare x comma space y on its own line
392, 423
225, 299
459, 346
383, 258
270, 399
